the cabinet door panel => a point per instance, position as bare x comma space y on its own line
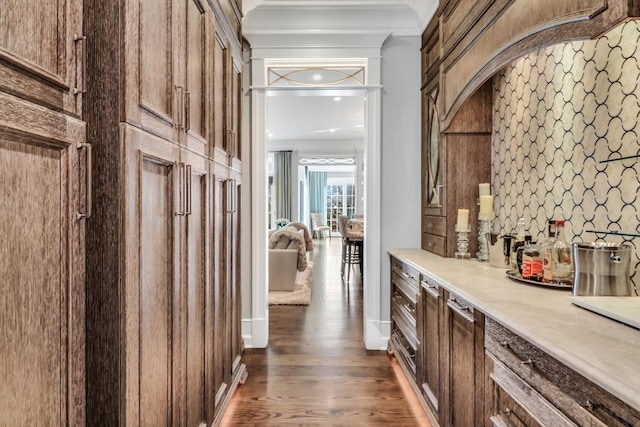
196, 279
39, 56
196, 52
156, 293
220, 61
431, 344
221, 335
157, 91
42, 290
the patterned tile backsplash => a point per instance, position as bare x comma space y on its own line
562, 116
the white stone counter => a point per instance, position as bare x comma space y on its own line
603, 350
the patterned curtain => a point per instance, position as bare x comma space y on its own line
282, 184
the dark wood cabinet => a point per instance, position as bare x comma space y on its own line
404, 340
438, 340
540, 390
164, 342
463, 364
454, 163
45, 193
430, 318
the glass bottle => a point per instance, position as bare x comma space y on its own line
545, 251
562, 263
519, 241
531, 262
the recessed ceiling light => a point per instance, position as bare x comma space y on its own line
337, 98
317, 77
332, 130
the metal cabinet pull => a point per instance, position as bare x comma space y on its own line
181, 178
461, 309
83, 65
88, 180
187, 111
180, 106
188, 187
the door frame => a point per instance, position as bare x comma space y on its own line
256, 329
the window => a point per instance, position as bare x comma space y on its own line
341, 200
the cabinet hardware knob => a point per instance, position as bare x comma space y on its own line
528, 362
505, 411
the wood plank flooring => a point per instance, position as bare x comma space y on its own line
316, 370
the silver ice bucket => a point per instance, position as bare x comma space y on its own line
601, 269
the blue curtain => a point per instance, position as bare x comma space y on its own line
282, 184
318, 193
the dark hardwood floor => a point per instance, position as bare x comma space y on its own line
316, 370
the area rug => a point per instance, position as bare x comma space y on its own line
301, 294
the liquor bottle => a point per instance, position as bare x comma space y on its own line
562, 264
519, 241
531, 262
545, 251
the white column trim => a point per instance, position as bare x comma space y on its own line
259, 335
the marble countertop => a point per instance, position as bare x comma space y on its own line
603, 350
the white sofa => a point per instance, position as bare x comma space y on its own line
288, 249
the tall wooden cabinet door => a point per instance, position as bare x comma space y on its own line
195, 278
464, 367
219, 272
42, 291
220, 94
42, 51
235, 109
155, 209
431, 337
153, 67
199, 37
233, 250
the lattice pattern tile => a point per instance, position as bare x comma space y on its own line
558, 113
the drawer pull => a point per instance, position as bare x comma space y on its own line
594, 408
505, 411
588, 406
407, 275
409, 308
528, 362
507, 344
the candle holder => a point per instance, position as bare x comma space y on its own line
462, 242
484, 229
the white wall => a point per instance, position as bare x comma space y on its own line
401, 133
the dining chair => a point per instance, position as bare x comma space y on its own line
318, 228
352, 243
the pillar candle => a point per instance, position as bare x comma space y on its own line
486, 207
485, 189
463, 219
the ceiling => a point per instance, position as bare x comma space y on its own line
317, 121
314, 121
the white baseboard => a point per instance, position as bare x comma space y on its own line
255, 333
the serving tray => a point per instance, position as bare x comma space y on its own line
517, 277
